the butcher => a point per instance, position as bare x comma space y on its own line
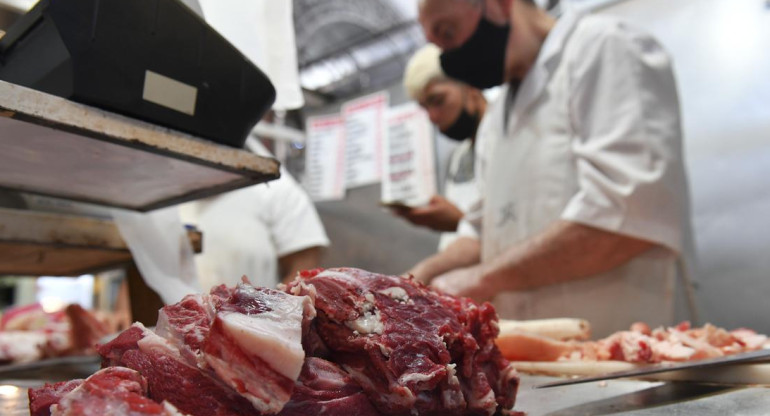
456, 109
585, 208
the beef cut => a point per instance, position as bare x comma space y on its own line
412, 350
324, 389
639, 344
235, 351
339, 342
86, 329
110, 391
28, 333
251, 338
170, 377
41, 398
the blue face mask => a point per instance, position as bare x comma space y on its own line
480, 61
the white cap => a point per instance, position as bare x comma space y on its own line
423, 67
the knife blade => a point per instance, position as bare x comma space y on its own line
759, 355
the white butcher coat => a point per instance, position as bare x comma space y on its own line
245, 231
592, 136
460, 185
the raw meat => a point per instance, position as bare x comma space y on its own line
186, 326
255, 344
324, 389
171, 378
25, 318
250, 337
22, 346
562, 329
379, 345
41, 398
640, 344
114, 391
523, 346
28, 333
86, 330
412, 350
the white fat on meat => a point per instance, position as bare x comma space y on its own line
452, 397
370, 321
487, 402
670, 351
396, 293
751, 339
276, 337
415, 377
112, 391
339, 275
152, 343
191, 328
171, 410
21, 346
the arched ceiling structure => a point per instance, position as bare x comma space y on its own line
348, 46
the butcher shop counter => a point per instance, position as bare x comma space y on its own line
626, 397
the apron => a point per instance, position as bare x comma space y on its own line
460, 187
530, 177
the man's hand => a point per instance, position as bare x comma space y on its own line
467, 281
463, 252
420, 273
439, 214
291, 264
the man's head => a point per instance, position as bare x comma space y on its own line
455, 108
485, 42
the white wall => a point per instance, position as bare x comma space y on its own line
721, 50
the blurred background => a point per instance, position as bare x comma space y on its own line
351, 48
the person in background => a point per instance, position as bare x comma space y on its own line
266, 232
585, 206
456, 109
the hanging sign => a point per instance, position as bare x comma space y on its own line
409, 176
364, 138
325, 158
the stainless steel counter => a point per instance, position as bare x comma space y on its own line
626, 397
633, 397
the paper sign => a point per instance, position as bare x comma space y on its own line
325, 158
409, 176
364, 138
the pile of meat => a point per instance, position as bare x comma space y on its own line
640, 344
28, 333
334, 342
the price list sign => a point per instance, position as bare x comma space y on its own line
364, 136
409, 165
325, 158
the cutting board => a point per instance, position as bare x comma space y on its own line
754, 373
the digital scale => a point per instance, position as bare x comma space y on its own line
154, 60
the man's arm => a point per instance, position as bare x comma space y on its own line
565, 251
463, 252
292, 263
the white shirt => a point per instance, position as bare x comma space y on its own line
593, 136
460, 185
247, 230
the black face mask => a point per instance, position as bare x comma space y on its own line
480, 61
464, 127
